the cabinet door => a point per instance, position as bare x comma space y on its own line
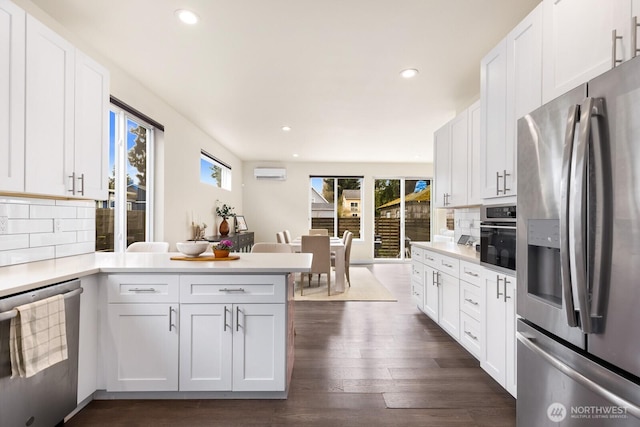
205, 347
459, 160
577, 43
12, 66
495, 329
442, 162
450, 305
474, 191
493, 110
144, 347
431, 294
91, 128
524, 83
259, 347
50, 66
625, 10
510, 337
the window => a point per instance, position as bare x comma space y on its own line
335, 204
214, 172
126, 216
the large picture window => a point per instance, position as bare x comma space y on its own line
336, 204
126, 216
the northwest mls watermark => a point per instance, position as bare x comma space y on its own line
557, 412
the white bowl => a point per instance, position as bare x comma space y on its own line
192, 248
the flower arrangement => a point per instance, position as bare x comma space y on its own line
224, 245
225, 211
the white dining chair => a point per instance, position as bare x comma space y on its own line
318, 232
287, 236
148, 247
280, 237
320, 247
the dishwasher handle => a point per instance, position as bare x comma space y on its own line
10, 314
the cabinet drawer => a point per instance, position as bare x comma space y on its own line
417, 293
449, 265
471, 301
471, 273
209, 288
470, 336
132, 288
431, 259
417, 254
417, 272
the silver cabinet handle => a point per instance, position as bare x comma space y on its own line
433, 278
81, 179
438, 278
447, 265
473, 337
498, 294
143, 290
630, 407
224, 328
231, 290
237, 318
504, 182
471, 273
614, 42
498, 176
429, 258
505, 281
634, 37
73, 183
171, 324
470, 301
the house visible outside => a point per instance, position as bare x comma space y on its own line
351, 203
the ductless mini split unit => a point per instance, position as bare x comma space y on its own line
274, 174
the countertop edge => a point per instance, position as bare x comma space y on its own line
464, 253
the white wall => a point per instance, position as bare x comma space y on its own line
272, 206
178, 161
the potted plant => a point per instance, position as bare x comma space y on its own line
221, 249
225, 212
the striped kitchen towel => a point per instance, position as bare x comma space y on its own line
38, 336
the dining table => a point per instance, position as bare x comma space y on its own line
337, 246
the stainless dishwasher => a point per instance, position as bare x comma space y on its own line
47, 397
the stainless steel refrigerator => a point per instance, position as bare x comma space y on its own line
578, 256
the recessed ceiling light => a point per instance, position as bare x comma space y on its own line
409, 73
286, 128
187, 16
295, 155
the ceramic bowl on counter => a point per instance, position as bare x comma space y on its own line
192, 248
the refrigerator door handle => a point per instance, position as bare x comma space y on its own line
566, 252
576, 376
601, 213
578, 216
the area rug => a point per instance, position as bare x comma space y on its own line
364, 287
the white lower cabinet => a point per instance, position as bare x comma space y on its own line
232, 347
499, 329
145, 347
441, 291
88, 338
449, 289
197, 332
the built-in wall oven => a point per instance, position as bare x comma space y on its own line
498, 237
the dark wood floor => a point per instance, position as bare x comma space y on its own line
357, 364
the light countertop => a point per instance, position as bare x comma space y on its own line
24, 277
465, 253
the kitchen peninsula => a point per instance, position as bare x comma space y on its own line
152, 327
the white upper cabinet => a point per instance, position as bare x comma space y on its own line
458, 160
577, 43
91, 128
442, 162
50, 73
12, 51
626, 28
474, 193
54, 104
495, 168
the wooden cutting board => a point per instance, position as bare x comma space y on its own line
204, 258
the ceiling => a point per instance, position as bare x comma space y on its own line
329, 69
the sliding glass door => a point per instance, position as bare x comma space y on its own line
402, 215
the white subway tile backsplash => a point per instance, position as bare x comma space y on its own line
14, 241
20, 256
39, 229
19, 226
75, 249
